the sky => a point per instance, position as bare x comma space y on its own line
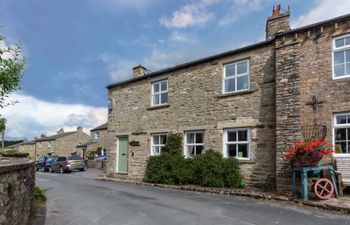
76, 48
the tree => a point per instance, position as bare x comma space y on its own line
2, 131
12, 65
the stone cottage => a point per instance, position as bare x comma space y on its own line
62, 143
97, 143
249, 103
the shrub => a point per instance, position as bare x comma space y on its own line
209, 169
39, 196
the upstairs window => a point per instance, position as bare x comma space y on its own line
194, 143
342, 133
97, 135
236, 77
160, 93
157, 143
341, 57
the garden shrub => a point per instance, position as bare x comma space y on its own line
209, 169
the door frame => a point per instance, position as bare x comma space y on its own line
127, 158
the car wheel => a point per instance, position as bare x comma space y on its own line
61, 170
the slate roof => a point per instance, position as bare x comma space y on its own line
101, 127
227, 53
54, 137
87, 143
27, 142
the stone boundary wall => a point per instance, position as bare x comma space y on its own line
17, 184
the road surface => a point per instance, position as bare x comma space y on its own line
76, 198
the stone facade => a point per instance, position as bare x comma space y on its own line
27, 147
285, 72
98, 142
16, 191
62, 143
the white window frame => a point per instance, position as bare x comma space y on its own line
160, 92
193, 144
249, 142
339, 49
157, 145
97, 135
235, 76
335, 126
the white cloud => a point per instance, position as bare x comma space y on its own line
122, 5
32, 116
323, 10
180, 37
121, 70
189, 15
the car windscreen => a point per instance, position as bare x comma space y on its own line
74, 157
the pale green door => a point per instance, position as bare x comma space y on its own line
123, 154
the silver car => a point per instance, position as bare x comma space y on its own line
64, 164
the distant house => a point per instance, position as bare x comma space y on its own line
15, 146
62, 143
97, 144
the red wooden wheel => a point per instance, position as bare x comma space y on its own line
324, 188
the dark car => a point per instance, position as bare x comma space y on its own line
44, 163
68, 163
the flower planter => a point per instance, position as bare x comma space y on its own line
307, 161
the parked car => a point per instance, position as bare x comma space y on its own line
68, 163
44, 163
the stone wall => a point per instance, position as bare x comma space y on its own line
17, 185
196, 102
304, 70
67, 144
101, 141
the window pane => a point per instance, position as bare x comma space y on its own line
190, 138
348, 131
242, 83
199, 149
242, 151
347, 69
155, 139
347, 56
156, 87
164, 98
156, 99
347, 41
231, 136
340, 134
348, 118
340, 147
242, 135
230, 70
164, 86
190, 150
339, 57
339, 42
199, 138
231, 150
229, 85
242, 67
339, 70
341, 119
163, 139
155, 150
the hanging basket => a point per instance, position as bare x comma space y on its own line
307, 161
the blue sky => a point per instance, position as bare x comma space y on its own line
75, 48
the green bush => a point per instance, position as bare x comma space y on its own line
209, 169
39, 196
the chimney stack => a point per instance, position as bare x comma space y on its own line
61, 131
139, 71
277, 23
79, 129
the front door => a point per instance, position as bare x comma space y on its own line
123, 154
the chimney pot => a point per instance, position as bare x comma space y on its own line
79, 128
277, 23
139, 71
61, 131
276, 11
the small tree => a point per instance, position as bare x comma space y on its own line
2, 131
173, 144
11, 68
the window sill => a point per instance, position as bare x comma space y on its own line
235, 93
158, 107
246, 161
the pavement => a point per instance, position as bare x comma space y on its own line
77, 198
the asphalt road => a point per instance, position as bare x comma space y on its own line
76, 198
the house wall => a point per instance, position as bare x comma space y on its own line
101, 142
27, 148
303, 70
196, 103
67, 144
42, 147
